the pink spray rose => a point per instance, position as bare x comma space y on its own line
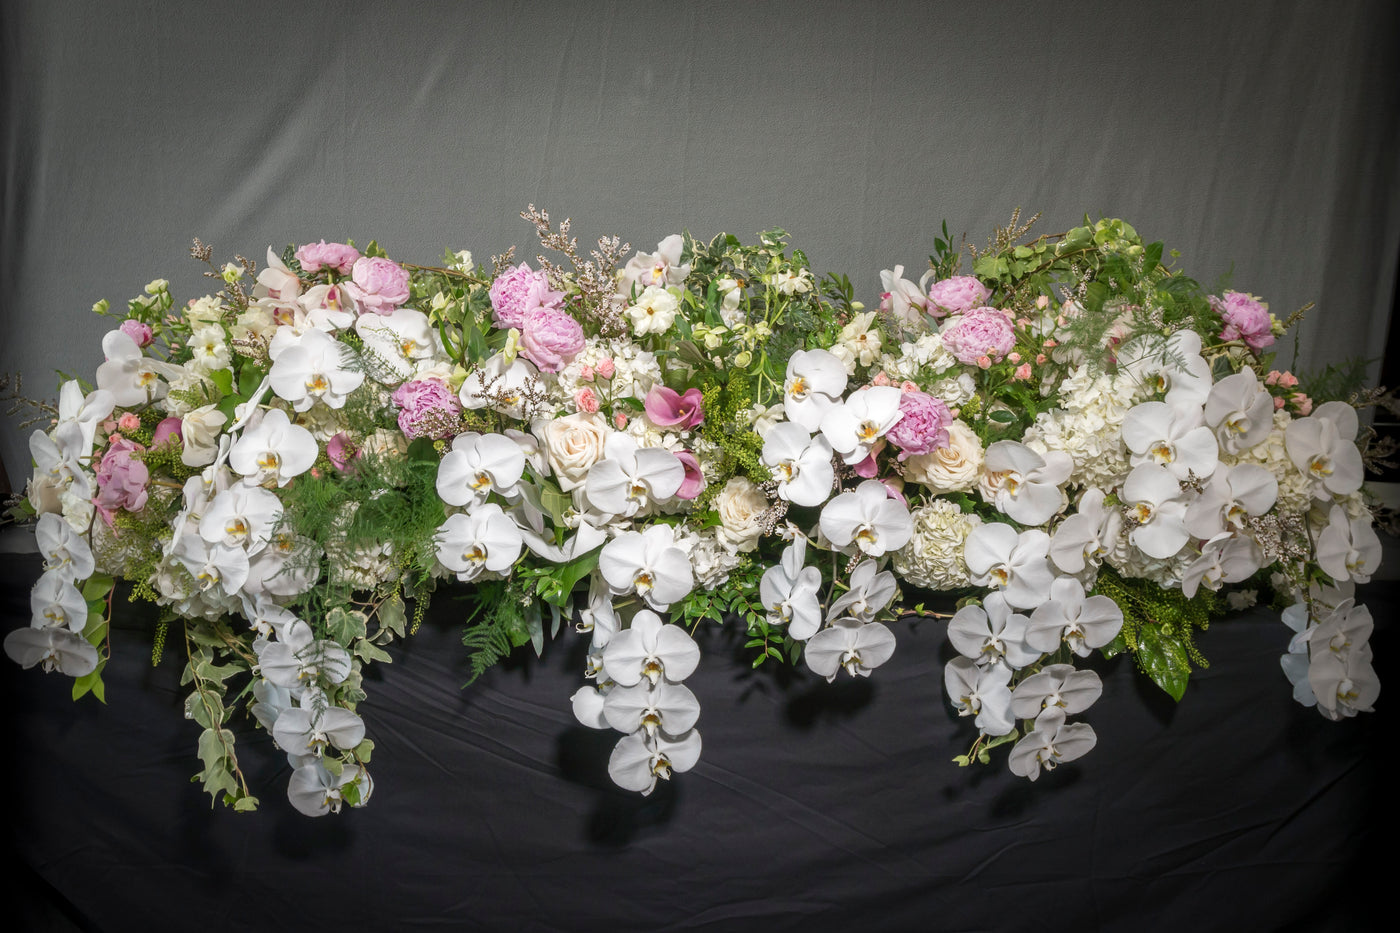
137, 331
978, 333
606, 367
520, 290
1246, 318
121, 479
337, 256
550, 339
923, 427
427, 408
669, 408
377, 284
586, 400
956, 295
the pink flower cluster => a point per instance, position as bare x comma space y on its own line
427, 408
977, 334
121, 479
520, 290
1246, 318
137, 331
923, 427
550, 339
377, 284
336, 256
956, 295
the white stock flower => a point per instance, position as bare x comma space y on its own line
274, 451
209, 344
653, 312
649, 564
484, 539
859, 647
314, 368
1027, 486
650, 649
478, 465
801, 464
814, 383
858, 343
1012, 563
869, 518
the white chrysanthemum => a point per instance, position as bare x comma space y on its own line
933, 557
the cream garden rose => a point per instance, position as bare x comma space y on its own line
740, 504
949, 469
572, 444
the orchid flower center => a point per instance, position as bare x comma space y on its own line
1001, 575
1143, 512
643, 581
237, 529
317, 384
482, 481
269, 461
477, 554
797, 388
1320, 466
1163, 453
145, 378
407, 346
868, 431
653, 669
787, 470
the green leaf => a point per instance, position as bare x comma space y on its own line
223, 380
367, 651
1164, 660
392, 615
91, 683
97, 586
364, 750
249, 378
245, 804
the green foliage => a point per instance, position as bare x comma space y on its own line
497, 624
1335, 382
1159, 627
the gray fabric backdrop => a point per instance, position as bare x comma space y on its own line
1256, 137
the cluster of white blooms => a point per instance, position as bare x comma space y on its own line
933, 557
618, 367
924, 356
1294, 488
1087, 425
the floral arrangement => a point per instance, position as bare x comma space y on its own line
1071, 448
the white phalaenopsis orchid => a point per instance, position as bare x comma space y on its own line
54, 649
56, 603
790, 591
1050, 744
814, 384
309, 727
241, 517
859, 647
1323, 448
1157, 509
86, 411
1082, 539
599, 617
1056, 686
649, 564
498, 384
274, 451
300, 659
396, 344
276, 280
315, 368
981, 691
1012, 563
991, 633
870, 592
650, 649
1027, 484
1348, 548
132, 378
288, 566
639, 759
478, 465
908, 302
630, 479
1225, 558
1178, 369
65, 552
314, 791
483, 540
1172, 436
212, 564
852, 427
1240, 411
587, 704
1233, 494
801, 464
653, 707
1069, 616
1344, 684
869, 518
58, 460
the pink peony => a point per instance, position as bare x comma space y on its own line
121, 479
550, 339
141, 333
377, 284
981, 332
956, 295
669, 408
427, 408
1246, 318
520, 290
337, 256
923, 427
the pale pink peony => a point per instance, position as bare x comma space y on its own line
923, 427
427, 408
1246, 318
378, 284
137, 331
337, 256
956, 295
520, 290
121, 479
550, 339
981, 332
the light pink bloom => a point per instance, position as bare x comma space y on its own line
923, 427
550, 339
669, 408
121, 479
378, 284
518, 291
317, 256
606, 367
981, 332
956, 295
168, 428
427, 408
586, 400
694, 482
1246, 318
137, 331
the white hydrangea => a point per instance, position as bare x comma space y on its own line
1088, 426
635, 370
710, 560
955, 391
1294, 489
933, 558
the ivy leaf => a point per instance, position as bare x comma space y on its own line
1164, 660
245, 804
392, 615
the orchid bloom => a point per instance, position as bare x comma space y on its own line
1050, 743
1179, 370
1172, 436
1156, 510
1348, 549
1082, 539
86, 411
132, 378
1028, 490
396, 343
314, 369
639, 759
649, 564
907, 302
212, 564
301, 660
650, 649
309, 727
869, 593
273, 452
852, 427
1056, 686
314, 791
662, 706
813, 386
288, 566
801, 464
498, 384
55, 649
790, 591
1233, 494
991, 633
1012, 563
869, 518
1081, 622
483, 540
241, 517
1344, 684
276, 280
981, 691
1225, 558
55, 602
65, 552
478, 465
1240, 411
630, 478
1322, 447
859, 647
58, 459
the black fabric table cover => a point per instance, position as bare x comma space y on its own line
813, 806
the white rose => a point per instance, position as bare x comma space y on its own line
572, 444
654, 312
949, 469
200, 430
740, 504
